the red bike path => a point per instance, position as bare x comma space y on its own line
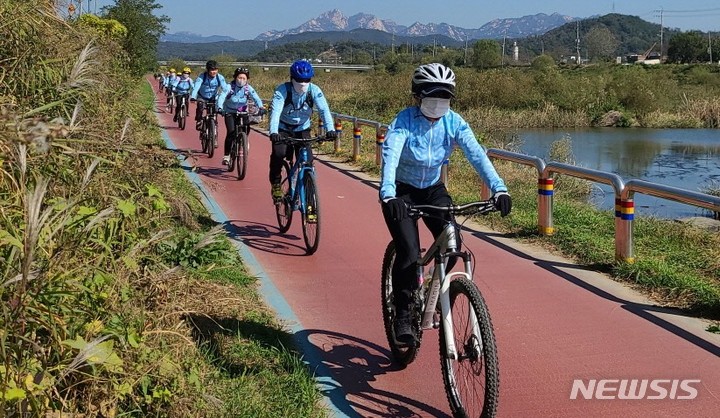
554, 321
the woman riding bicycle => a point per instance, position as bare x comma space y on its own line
182, 88
235, 101
418, 141
208, 87
292, 107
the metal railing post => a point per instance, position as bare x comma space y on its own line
545, 205
357, 136
339, 130
379, 141
624, 216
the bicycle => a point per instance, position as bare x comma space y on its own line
300, 192
209, 130
170, 105
240, 145
182, 113
453, 303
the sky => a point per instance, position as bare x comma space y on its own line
246, 20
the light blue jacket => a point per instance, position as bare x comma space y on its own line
209, 88
180, 86
415, 148
296, 116
167, 81
236, 98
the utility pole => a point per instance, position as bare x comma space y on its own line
433, 47
577, 42
662, 29
710, 47
502, 59
465, 59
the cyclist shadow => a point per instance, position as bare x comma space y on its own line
264, 237
346, 370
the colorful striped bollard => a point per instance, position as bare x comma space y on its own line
545, 205
379, 141
357, 136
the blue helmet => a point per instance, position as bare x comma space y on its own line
301, 69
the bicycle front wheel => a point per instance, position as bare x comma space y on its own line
210, 135
181, 118
472, 380
242, 155
311, 212
283, 207
403, 354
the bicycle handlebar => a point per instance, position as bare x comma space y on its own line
482, 207
289, 140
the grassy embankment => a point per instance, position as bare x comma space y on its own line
120, 297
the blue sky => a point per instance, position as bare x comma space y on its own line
247, 19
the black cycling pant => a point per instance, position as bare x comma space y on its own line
200, 107
407, 240
178, 100
230, 128
286, 151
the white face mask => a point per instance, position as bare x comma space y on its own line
434, 107
300, 88
241, 82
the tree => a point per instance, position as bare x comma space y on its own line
486, 53
143, 31
687, 47
601, 43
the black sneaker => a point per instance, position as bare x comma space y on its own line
404, 332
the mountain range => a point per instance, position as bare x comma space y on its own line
334, 20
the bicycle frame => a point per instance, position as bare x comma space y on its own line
297, 172
438, 287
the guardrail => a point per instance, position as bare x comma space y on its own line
624, 191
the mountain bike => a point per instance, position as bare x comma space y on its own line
170, 104
208, 129
182, 113
240, 145
300, 192
453, 303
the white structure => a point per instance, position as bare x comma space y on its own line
516, 51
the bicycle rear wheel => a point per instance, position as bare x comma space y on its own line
472, 381
283, 207
403, 354
311, 212
242, 155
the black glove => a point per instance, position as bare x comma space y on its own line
274, 138
262, 112
193, 100
331, 135
503, 203
396, 209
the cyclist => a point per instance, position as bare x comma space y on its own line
182, 88
236, 100
208, 87
169, 80
292, 107
417, 142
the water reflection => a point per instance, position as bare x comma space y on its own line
685, 158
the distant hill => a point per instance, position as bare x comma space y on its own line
634, 35
247, 50
193, 38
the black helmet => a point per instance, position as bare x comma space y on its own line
211, 65
241, 70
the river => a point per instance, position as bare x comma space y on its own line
684, 158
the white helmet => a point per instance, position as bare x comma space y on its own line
433, 78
